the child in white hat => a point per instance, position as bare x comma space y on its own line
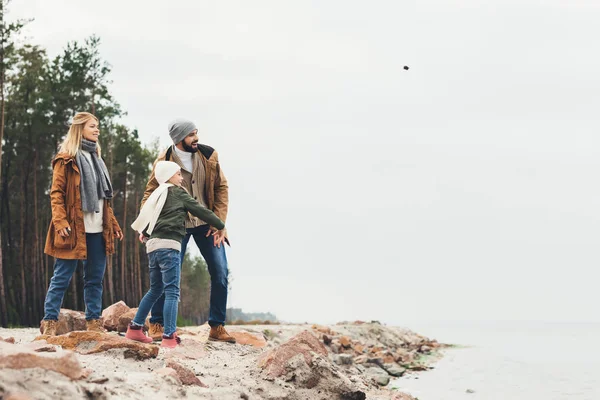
162, 219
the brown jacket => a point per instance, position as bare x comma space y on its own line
65, 199
216, 190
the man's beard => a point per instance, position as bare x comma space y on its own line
188, 148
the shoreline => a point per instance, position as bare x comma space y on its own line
281, 361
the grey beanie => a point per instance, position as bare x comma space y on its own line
180, 128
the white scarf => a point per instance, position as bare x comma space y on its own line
152, 209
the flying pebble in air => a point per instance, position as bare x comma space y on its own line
406, 67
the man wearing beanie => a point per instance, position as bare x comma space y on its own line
204, 180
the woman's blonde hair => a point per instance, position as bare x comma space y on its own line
72, 142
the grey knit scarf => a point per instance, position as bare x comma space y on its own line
95, 182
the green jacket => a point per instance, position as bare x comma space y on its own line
171, 221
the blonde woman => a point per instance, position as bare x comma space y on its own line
83, 225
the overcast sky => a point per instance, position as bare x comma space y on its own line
463, 189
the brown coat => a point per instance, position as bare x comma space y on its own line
216, 189
65, 199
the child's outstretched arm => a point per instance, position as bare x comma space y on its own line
193, 207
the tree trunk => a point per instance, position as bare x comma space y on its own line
137, 252
23, 296
36, 261
2, 101
124, 242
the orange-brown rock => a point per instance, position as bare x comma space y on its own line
376, 349
40, 346
304, 344
389, 359
8, 340
403, 356
125, 320
185, 375
17, 396
96, 342
69, 321
19, 357
247, 338
345, 342
359, 348
323, 329
111, 315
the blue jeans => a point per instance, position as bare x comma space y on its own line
165, 274
216, 261
93, 273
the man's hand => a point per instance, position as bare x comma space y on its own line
218, 236
119, 235
142, 238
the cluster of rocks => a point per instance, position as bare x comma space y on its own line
349, 361
374, 350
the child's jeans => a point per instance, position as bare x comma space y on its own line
165, 273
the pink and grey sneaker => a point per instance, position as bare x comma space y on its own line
136, 332
170, 341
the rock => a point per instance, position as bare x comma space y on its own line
8, 340
361, 359
112, 313
69, 321
19, 357
41, 346
345, 342
359, 348
244, 337
125, 320
403, 356
378, 375
402, 396
470, 391
302, 363
185, 375
356, 395
168, 373
343, 359
304, 344
326, 340
376, 361
394, 369
97, 342
425, 349
323, 329
335, 348
17, 396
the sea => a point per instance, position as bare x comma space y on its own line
510, 361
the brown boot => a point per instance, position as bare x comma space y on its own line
49, 327
218, 333
155, 331
95, 325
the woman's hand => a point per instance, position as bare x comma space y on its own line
65, 231
119, 235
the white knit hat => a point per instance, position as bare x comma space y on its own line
164, 170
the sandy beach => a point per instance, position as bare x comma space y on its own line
344, 361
